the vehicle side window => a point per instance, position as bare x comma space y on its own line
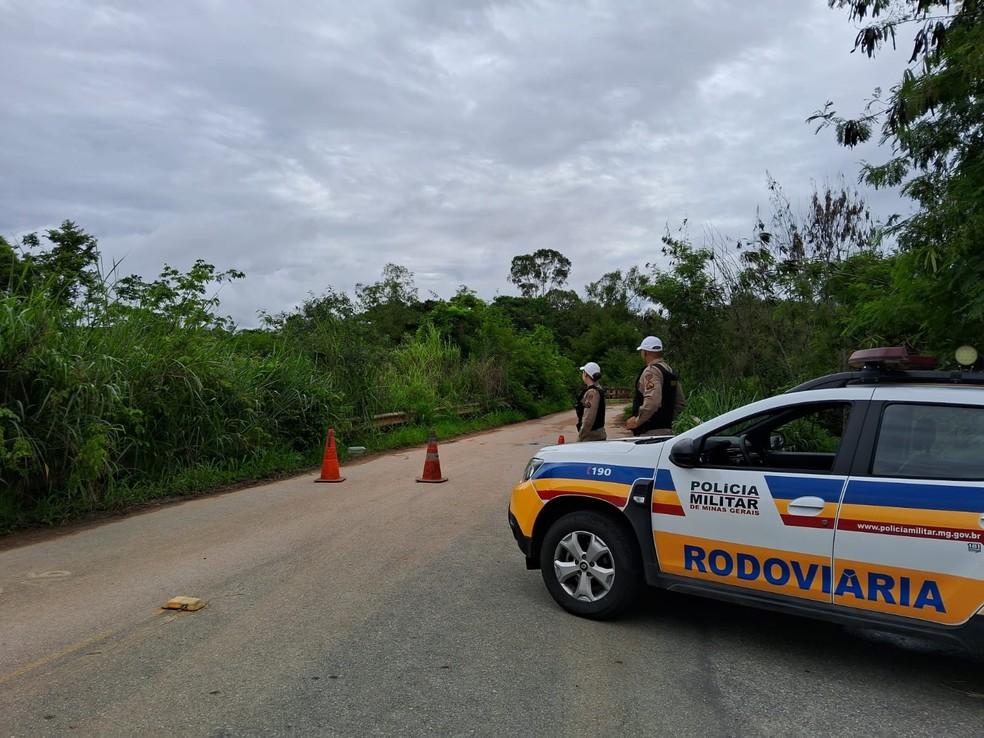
819, 432
804, 438
930, 441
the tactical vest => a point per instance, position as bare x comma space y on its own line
599, 421
662, 418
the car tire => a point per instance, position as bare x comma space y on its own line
590, 565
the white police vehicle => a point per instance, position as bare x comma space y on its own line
856, 497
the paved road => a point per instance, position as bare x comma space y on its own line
382, 607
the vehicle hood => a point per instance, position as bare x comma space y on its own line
633, 451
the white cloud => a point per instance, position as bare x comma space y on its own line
311, 147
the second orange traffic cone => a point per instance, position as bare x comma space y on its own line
432, 463
329, 464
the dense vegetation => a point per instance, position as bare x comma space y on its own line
933, 120
114, 390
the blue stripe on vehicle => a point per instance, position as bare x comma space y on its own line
619, 475
664, 480
789, 488
916, 495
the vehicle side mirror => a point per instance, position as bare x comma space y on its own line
777, 441
685, 453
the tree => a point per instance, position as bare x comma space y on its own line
459, 318
691, 303
68, 269
537, 273
615, 289
331, 305
390, 305
934, 120
794, 255
13, 271
182, 299
396, 287
783, 299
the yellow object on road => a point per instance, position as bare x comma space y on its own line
184, 603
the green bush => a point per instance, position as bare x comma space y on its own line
87, 409
125, 393
423, 377
705, 403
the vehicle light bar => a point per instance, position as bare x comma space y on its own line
893, 357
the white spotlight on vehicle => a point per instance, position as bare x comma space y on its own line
966, 355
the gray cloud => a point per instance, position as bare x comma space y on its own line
309, 143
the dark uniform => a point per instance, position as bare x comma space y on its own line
591, 414
658, 399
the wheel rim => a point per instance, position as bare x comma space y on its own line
584, 566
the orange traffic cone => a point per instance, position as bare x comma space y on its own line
560, 439
329, 464
432, 463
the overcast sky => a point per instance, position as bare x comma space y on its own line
310, 142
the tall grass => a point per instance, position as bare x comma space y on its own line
705, 403
89, 412
123, 403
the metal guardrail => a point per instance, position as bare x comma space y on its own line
384, 420
387, 420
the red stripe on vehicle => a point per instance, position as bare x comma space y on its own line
666, 509
805, 521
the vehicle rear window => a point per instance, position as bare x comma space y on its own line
930, 442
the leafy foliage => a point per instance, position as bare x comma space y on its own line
537, 273
111, 392
177, 297
934, 120
616, 290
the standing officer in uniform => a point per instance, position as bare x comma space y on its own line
658, 396
591, 405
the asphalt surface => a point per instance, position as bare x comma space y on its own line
384, 607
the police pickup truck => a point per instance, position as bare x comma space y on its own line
856, 497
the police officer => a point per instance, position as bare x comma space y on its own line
659, 394
591, 405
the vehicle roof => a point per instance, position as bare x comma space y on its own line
930, 393
896, 377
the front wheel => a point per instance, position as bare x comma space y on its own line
590, 566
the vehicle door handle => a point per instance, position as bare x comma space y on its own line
806, 506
